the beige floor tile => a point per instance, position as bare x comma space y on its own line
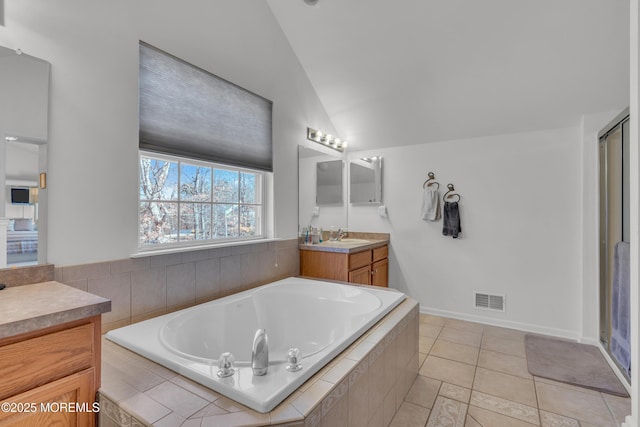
504, 345
470, 422
620, 407
567, 386
502, 362
455, 392
574, 404
464, 325
410, 415
498, 332
428, 330
460, 337
447, 412
432, 320
488, 418
423, 392
425, 344
505, 386
453, 351
547, 419
505, 407
450, 371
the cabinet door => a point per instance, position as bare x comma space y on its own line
361, 276
380, 273
42, 405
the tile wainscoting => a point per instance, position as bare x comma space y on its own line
141, 288
364, 386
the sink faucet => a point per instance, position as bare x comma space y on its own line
260, 353
342, 233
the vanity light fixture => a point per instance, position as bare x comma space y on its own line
11, 138
326, 139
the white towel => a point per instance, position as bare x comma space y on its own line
431, 203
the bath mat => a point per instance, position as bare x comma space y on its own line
572, 363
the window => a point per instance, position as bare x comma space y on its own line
186, 202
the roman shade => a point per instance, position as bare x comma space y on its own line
190, 112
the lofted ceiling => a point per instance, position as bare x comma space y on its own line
414, 71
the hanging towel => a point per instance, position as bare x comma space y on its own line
431, 203
620, 314
451, 219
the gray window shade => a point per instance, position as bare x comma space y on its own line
187, 111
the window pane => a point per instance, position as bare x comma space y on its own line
195, 183
225, 221
250, 220
158, 223
225, 186
250, 188
195, 221
158, 179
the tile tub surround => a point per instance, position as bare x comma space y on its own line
363, 386
141, 288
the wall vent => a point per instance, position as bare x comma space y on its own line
486, 301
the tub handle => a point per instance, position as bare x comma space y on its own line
225, 363
294, 359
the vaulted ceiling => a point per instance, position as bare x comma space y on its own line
414, 71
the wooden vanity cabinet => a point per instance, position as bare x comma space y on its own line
367, 267
42, 371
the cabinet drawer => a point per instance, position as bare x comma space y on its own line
359, 259
380, 253
36, 361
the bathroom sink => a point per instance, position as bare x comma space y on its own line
351, 241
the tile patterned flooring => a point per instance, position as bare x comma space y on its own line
474, 375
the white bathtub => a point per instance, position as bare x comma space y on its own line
321, 318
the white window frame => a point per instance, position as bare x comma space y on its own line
262, 223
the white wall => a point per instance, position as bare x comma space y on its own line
521, 212
93, 135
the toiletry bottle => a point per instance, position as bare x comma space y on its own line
320, 234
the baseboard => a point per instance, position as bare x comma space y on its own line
527, 327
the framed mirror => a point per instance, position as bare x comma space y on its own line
329, 182
365, 180
321, 189
24, 112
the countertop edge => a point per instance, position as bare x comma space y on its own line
29, 308
351, 250
24, 326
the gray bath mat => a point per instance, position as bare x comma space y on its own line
572, 363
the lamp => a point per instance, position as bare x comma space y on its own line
327, 140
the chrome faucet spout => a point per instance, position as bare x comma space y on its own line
260, 353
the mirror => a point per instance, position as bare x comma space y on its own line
24, 112
329, 182
321, 192
365, 180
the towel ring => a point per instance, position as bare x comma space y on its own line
451, 190
429, 184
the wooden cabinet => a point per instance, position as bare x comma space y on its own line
367, 267
51, 376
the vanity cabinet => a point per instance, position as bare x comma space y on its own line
51, 376
365, 267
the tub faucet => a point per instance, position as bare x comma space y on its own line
260, 353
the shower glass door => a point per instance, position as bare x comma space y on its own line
613, 153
